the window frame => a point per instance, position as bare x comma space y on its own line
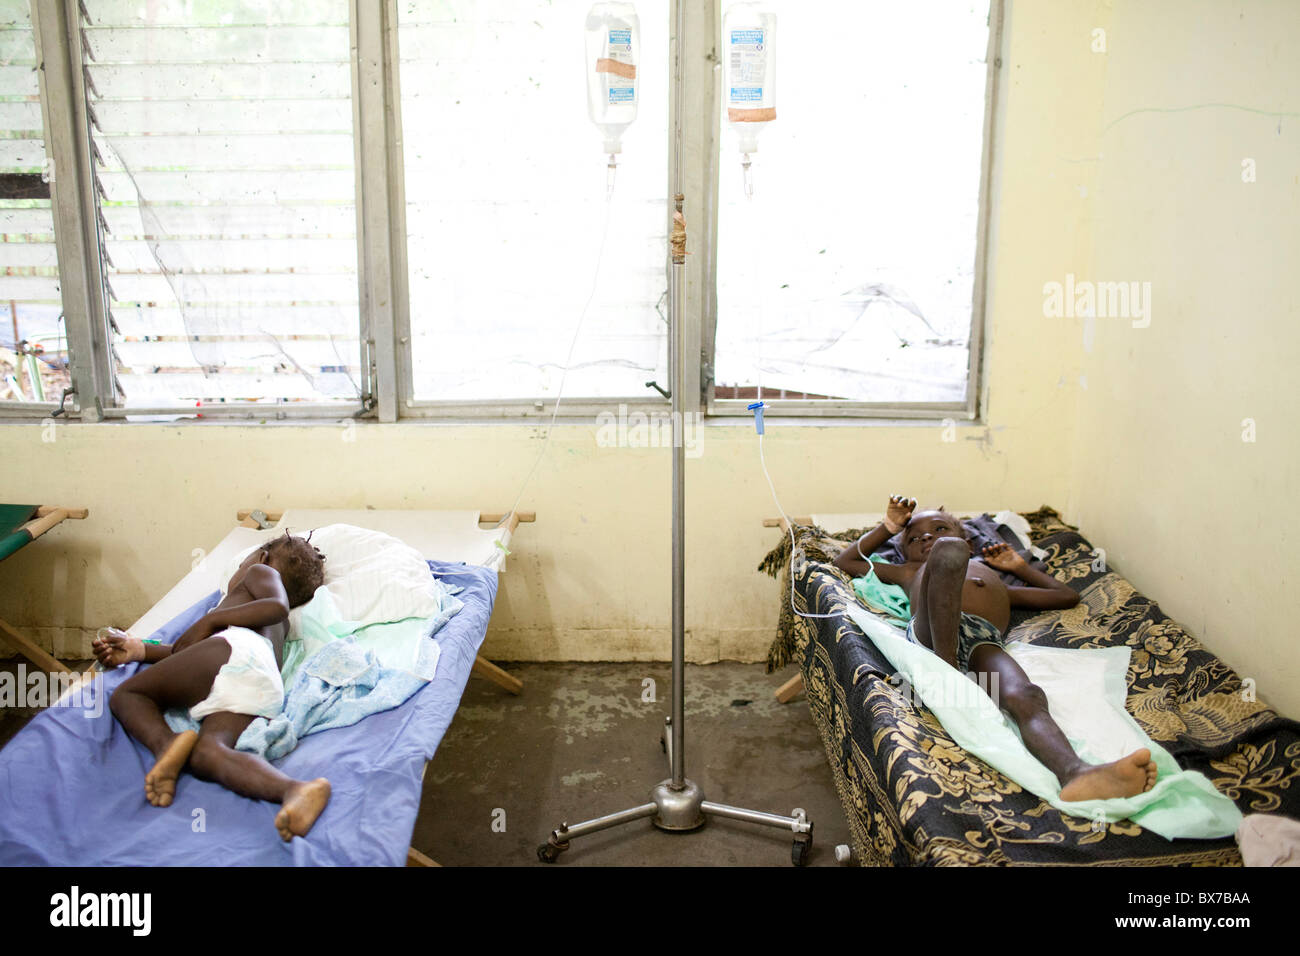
384, 311
572, 409
966, 410
58, 52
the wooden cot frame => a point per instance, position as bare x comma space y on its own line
47, 517
254, 518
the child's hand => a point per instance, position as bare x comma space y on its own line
116, 648
898, 512
1004, 558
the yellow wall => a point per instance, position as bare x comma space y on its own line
1196, 517
590, 580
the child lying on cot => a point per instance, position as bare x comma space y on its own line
960, 610
225, 670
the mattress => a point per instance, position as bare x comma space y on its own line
912, 796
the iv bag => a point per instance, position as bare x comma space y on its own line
749, 71
613, 50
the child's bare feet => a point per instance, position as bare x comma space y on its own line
160, 781
1126, 777
300, 808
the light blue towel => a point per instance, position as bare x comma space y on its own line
336, 687
1183, 803
383, 662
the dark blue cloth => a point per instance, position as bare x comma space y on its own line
72, 786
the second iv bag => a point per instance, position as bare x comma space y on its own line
613, 49
749, 75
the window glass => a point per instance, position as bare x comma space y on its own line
850, 273
33, 346
225, 165
505, 185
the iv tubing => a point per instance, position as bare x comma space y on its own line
568, 360
762, 460
789, 530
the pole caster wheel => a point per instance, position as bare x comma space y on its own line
801, 849
549, 850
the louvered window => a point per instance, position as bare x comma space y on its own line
33, 347
216, 245
224, 165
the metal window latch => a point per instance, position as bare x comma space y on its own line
62, 409
657, 388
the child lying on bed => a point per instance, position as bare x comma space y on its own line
960, 610
225, 670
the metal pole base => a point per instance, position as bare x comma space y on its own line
678, 810
682, 811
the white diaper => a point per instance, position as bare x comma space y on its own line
248, 683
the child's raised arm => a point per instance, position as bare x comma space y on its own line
853, 559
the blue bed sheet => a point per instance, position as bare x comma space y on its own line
72, 786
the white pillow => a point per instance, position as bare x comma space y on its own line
373, 577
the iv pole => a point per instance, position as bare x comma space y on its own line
678, 804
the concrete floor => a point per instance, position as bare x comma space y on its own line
14, 719
580, 742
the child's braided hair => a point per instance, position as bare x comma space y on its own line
304, 567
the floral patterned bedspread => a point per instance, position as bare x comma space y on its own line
913, 797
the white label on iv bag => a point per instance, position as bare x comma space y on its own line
748, 66
617, 64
